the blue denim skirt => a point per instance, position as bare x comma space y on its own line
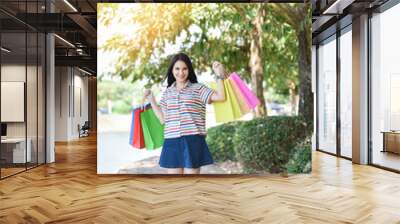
185, 152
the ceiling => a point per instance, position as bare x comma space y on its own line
328, 16
73, 21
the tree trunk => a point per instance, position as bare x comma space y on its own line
293, 99
306, 102
256, 64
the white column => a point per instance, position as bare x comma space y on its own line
360, 90
50, 101
50, 92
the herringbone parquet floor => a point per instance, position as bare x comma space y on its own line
70, 191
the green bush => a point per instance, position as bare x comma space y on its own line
265, 144
220, 141
300, 160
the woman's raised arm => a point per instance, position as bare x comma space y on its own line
156, 108
219, 94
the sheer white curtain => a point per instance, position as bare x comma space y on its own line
327, 96
346, 93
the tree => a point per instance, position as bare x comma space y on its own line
253, 42
298, 16
237, 42
234, 34
256, 61
280, 54
151, 27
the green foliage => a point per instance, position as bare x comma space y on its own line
273, 96
222, 35
220, 141
281, 68
300, 160
206, 32
298, 16
265, 144
273, 144
122, 107
151, 27
119, 93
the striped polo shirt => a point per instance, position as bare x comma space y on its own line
185, 110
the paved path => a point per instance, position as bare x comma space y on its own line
150, 166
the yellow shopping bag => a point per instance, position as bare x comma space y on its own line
228, 110
244, 107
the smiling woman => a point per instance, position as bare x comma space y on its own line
182, 110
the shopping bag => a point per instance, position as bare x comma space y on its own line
131, 131
153, 130
251, 99
228, 110
244, 107
237, 113
138, 137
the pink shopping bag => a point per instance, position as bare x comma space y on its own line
250, 97
244, 107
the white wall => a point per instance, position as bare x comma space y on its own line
10, 73
81, 104
62, 81
33, 126
14, 73
71, 94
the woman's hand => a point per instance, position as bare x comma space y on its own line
221, 74
219, 70
147, 94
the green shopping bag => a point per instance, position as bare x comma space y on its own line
228, 110
153, 130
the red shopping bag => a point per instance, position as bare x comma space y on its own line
138, 138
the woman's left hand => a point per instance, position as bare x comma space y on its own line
219, 69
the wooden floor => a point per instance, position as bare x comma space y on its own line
10, 171
387, 159
70, 191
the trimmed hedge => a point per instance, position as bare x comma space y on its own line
220, 141
266, 144
300, 160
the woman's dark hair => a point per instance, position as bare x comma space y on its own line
180, 57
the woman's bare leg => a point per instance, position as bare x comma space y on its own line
175, 171
191, 171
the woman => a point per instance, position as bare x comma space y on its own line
183, 109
